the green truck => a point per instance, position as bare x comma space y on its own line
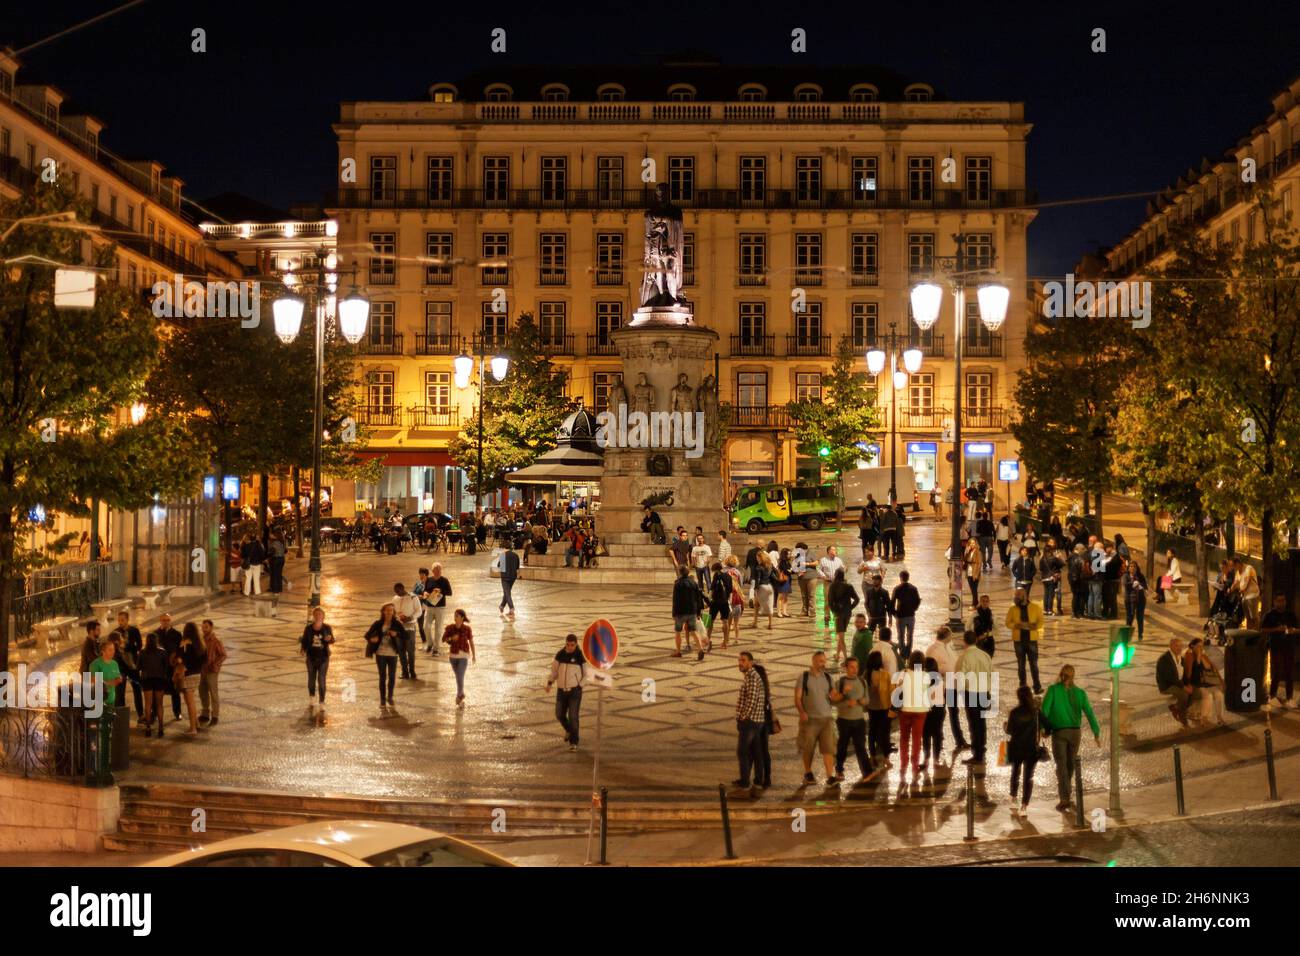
757, 506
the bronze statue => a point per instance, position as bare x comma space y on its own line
662, 285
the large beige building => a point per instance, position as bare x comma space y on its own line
529, 184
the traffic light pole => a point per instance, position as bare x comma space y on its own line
1115, 809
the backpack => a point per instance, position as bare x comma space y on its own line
829, 683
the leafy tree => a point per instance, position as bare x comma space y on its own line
845, 415
80, 368
520, 413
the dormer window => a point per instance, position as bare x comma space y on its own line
611, 93
498, 93
6, 84
863, 93
443, 93
919, 93
555, 93
681, 93
807, 93
52, 115
752, 93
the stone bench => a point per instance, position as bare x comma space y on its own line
158, 596
106, 611
266, 604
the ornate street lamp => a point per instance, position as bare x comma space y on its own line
463, 365
876, 359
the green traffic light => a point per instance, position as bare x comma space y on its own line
1121, 646
824, 451
1118, 653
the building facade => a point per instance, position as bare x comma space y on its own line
813, 200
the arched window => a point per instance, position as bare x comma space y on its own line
442, 93
498, 93
555, 93
919, 93
752, 93
807, 93
863, 93
681, 93
611, 93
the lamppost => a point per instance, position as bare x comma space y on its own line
898, 381
926, 298
464, 365
352, 313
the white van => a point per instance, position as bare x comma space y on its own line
861, 482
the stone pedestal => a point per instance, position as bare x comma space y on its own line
657, 347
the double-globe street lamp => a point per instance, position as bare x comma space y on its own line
876, 358
464, 366
926, 299
352, 313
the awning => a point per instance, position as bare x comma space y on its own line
409, 457
548, 473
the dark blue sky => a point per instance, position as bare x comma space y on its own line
1179, 81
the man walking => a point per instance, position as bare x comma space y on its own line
903, 604
433, 589
826, 569
252, 555
688, 602
209, 675
1025, 622
567, 671
509, 564
812, 699
976, 669
850, 699
407, 606
751, 714
1078, 577
984, 531
1280, 626
944, 658
876, 602
889, 543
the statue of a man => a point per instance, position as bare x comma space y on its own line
644, 392
706, 401
683, 396
617, 394
662, 284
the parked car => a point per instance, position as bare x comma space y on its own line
355, 843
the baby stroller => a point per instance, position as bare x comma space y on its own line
1226, 613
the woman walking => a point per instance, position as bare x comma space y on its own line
719, 604
783, 582
932, 731
1003, 536
1135, 595
314, 645
912, 715
879, 689
383, 643
1022, 745
190, 655
843, 599
155, 680
763, 589
732, 568
974, 562
277, 551
460, 640
1064, 707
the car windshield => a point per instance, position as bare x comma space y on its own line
439, 852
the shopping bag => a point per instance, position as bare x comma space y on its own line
1002, 754
705, 619
1166, 583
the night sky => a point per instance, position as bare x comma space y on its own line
252, 115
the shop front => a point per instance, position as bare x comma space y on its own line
923, 459
977, 461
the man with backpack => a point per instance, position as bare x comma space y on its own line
1077, 575
812, 699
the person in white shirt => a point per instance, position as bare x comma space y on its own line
870, 566
826, 569
977, 669
724, 547
701, 556
408, 610
941, 651
799, 568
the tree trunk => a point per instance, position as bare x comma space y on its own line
297, 507
1085, 502
1202, 573
1149, 518
263, 492
1266, 559
1101, 531
7, 585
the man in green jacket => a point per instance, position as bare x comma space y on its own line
1064, 707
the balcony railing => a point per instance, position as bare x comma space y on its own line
557, 344
381, 277
609, 277
808, 276
984, 346
931, 345
757, 416
807, 345
437, 343
380, 416
428, 417
751, 278
600, 344
984, 416
360, 197
753, 345
688, 277
437, 275
552, 277
922, 417
860, 343
864, 278
489, 342
381, 345
495, 276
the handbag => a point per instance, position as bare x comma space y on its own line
1166, 583
1002, 754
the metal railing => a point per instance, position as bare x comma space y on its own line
987, 416
65, 590
983, 346
599, 343
753, 345
609, 277
552, 277
490, 341
909, 417
931, 345
757, 416
807, 345
432, 416
557, 344
437, 343
860, 278
381, 345
45, 742
380, 416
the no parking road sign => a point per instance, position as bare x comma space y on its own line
600, 644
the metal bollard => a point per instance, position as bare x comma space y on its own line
726, 821
1078, 793
970, 805
604, 824
1178, 780
1272, 770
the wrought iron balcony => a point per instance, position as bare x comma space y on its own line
757, 416
609, 277
983, 416
988, 345
561, 344
552, 277
431, 417
437, 343
753, 345
922, 416
808, 275
390, 344
863, 278
599, 343
860, 343
807, 345
931, 345
751, 278
490, 342
379, 416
